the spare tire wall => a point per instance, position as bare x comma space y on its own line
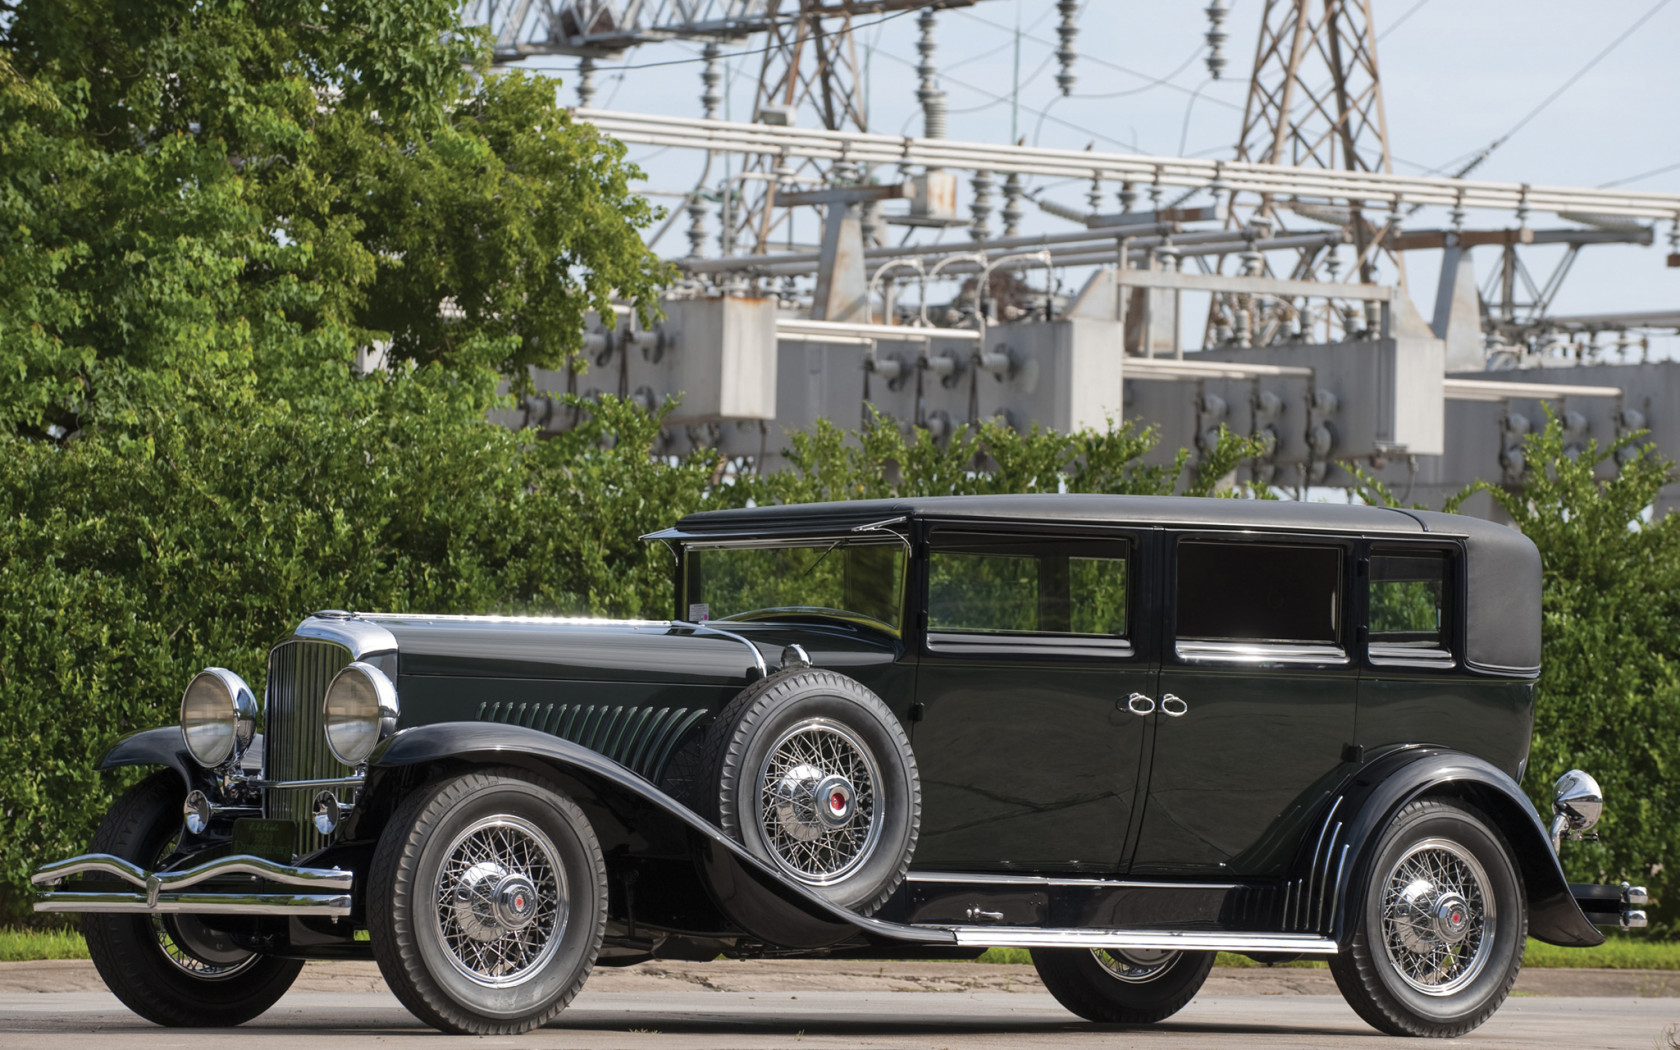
813, 773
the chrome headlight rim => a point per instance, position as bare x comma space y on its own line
365, 720
236, 717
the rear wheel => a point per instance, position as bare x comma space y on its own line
173, 970
1116, 986
487, 902
1442, 925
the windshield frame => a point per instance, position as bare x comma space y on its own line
870, 537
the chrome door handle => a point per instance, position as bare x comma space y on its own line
1138, 704
1172, 706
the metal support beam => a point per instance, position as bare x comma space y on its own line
1504, 390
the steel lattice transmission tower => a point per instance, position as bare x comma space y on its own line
1314, 101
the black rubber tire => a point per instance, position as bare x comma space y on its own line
1366, 975
402, 915
1080, 982
738, 741
127, 949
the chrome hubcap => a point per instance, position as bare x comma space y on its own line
1135, 965
1438, 918
501, 901
817, 801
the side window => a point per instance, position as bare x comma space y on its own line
1258, 594
996, 585
1409, 605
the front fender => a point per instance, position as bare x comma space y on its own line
755, 896
154, 747
1380, 790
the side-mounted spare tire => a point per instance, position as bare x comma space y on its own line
812, 772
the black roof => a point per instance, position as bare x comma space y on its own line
1066, 509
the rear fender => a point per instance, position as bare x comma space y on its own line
1374, 795
751, 894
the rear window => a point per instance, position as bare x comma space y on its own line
1409, 603
1254, 593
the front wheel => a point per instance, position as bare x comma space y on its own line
173, 970
1441, 925
487, 902
1121, 986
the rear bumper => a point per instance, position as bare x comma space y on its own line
1618, 907
239, 885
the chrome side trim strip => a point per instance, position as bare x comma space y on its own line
1162, 940
984, 878
199, 903
1260, 654
156, 882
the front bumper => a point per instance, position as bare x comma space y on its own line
242, 885
1619, 907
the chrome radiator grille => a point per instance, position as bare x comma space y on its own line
294, 741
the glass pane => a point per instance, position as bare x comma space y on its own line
1097, 595
1406, 600
1257, 593
856, 582
982, 592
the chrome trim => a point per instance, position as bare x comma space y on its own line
1169, 699
329, 905
1159, 940
295, 742
1635, 896
877, 526
984, 878
1239, 653
758, 657
1138, 704
1633, 920
289, 785
585, 621
361, 637
239, 864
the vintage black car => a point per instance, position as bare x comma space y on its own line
1122, 732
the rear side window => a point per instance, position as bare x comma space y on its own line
1252, 593
993, 585
1409, 607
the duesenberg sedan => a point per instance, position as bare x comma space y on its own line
1123, 732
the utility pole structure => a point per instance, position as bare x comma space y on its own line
1314, 101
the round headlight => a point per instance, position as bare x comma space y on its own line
218, 716
360, 710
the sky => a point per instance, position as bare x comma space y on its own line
1456, 76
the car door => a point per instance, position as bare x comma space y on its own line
1256, 703
1027, 742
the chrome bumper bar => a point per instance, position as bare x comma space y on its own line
300, 891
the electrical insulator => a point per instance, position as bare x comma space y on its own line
1067, 31
1216, 11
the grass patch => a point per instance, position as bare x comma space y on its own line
1616, 953
31, 945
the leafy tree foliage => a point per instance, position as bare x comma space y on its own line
220, 200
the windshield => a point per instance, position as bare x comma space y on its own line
859, 581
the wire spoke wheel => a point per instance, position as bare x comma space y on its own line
181, 942
1134, 966
1437, 917
817, 801
500, 900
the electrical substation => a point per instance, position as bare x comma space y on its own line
934, 286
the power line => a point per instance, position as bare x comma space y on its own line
738, 54
1642, 175
1553, 97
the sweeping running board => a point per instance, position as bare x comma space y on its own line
1167, 940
